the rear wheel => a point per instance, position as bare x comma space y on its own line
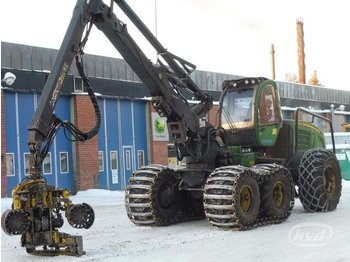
277, 194
319, 181
248, 196
232, 198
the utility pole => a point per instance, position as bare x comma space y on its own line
272, 52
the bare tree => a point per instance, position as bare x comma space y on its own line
291, 77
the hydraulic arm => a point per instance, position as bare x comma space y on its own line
164, 79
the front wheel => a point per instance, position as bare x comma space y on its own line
319, 181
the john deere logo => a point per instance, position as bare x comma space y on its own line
159, 125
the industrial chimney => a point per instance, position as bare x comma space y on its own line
301, 53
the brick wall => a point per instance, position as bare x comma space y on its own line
159, 149
86, 153
159, 152
3, 149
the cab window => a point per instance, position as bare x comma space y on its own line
269, 113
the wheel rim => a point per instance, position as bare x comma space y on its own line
278, 194
329, 180
246, 198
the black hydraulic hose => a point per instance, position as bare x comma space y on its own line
57, 123
73, 130
93, 98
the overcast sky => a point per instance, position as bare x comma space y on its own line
226, 36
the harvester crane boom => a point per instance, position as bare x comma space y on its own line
182, 71
164, 79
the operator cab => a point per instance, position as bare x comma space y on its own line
250, 112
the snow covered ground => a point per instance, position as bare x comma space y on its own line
303, 237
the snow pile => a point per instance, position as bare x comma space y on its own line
303, 237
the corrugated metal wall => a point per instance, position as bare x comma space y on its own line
312, 93
36, 58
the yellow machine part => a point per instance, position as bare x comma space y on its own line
31, 202
20, 187
57, 244
345, 127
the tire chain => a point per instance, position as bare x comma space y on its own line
311, 180
138, 198
311, 161
218, 195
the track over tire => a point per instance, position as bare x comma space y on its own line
165, 198
232, 198
152, 197
319, 181
277, 194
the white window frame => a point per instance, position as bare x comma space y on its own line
100, 153
25, 155
138, 158
128, 158
80, 90
67, 159
110, 156
13, 164
49, 156
115, 179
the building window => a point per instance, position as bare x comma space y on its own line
78, 85
26, 163
128, 159
64, 162
47, 168
10, 164
140, 159
114, 160
114, 166
100, 161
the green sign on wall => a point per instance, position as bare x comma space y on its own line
159, 128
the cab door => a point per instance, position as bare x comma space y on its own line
269, 114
